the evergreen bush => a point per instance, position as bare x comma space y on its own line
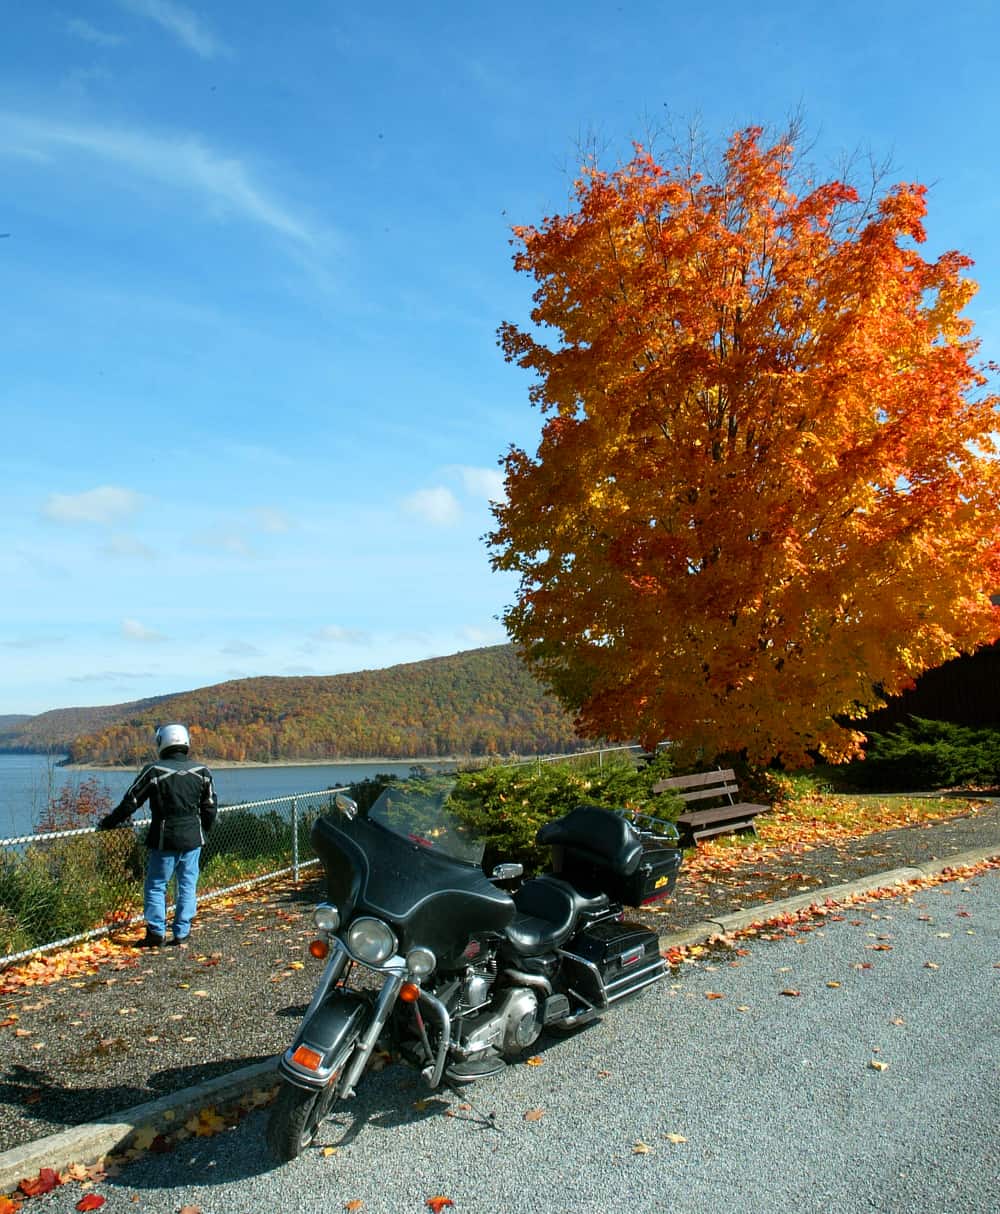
924, 754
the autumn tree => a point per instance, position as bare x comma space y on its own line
765, 494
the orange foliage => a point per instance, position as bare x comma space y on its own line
766, 489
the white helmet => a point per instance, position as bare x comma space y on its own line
171, 735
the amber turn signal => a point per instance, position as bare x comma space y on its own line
308, 1058
409, 992
319, 949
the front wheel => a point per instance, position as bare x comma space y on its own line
295, 1117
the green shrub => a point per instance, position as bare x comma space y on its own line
506, 806
924, 754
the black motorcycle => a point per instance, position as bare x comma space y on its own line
430, 959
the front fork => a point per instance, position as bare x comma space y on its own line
334, 1021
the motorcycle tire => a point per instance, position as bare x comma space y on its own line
295, 1119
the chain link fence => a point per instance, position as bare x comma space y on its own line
62, 887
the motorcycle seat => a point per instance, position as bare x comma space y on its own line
547, 911
595, 836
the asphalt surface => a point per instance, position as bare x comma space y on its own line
849, 1067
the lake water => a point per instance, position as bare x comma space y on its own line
28, 782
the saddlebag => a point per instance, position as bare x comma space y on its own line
611, 959
596, 849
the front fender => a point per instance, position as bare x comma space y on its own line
324, 1042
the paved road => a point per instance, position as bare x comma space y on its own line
772, 1097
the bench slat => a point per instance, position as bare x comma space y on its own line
705, 793
723, 814
699, 780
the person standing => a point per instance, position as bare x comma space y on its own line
183, 807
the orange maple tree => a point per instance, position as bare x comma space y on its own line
766, 487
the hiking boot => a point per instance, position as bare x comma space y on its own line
150, 940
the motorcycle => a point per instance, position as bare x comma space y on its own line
431, 960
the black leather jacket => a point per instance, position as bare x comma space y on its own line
181, 797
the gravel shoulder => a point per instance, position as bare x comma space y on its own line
144, 1025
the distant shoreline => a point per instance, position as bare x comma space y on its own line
237, 764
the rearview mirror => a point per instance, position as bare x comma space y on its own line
346, 806
507, 872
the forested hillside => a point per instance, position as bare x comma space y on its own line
55, 730
474, 703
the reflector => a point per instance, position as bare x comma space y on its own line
409, 992
319, 949
308, 1058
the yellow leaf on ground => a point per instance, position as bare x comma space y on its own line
534, 1115
675, 1138
641, 1148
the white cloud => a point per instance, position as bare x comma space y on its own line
127, 547
483, 482
274, 522
181, 162
333, 634
139, 632
437, 506
241, 649
181, 23
90, 33
101, 505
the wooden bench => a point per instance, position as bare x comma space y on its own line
725, 813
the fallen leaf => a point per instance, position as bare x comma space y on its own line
897, 1020
46, 1180
9, 1207
790, 990
743, 1007
328, 1151
200, 994
534, 1115
534, 1061
675, 1138
354, 1204
91, 1201
189, 1210
641, 1148
75, 1171
437, 1204
877, 1065
714, 995
833, 985
930, 965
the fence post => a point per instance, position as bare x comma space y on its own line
295, 840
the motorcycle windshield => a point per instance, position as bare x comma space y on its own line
419, 810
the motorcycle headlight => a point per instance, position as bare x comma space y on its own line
420, 962
371, 941
326, 917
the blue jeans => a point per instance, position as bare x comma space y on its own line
160, 867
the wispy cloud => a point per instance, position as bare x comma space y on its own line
90, 33
127, 547
105, 676
241, 649
437, 506
482, 482
181, 162
139, 632
273, 522
334, 634
102, 505
181, 23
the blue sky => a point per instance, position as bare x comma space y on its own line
252, 403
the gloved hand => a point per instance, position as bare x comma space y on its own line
106, 823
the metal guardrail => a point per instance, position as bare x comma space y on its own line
62, 887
